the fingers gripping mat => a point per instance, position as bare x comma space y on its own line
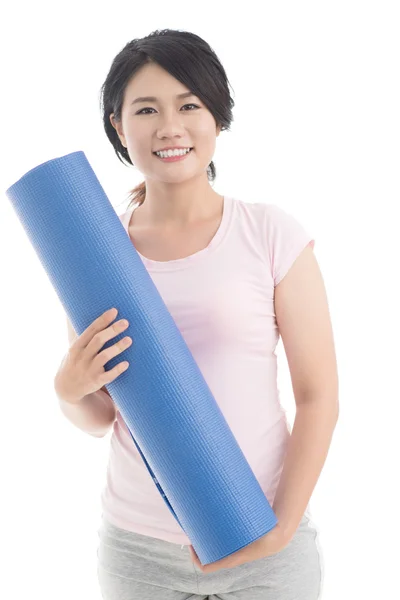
175, 422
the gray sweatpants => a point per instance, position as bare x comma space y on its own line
132, 566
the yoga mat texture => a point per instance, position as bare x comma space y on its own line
174, 420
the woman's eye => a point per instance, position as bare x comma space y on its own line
148, 108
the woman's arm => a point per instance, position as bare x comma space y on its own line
303, 319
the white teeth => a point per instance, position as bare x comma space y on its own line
169, 153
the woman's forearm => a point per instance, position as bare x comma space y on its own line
94, 414
307, 451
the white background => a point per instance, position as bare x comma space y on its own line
316, 131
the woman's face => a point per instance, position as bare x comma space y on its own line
151, 125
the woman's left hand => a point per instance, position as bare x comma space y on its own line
271, 543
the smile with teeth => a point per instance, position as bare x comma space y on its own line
170, 153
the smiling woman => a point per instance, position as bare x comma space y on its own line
217, 262
163, 72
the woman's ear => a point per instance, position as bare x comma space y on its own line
118, 128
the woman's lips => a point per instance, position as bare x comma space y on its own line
173, 158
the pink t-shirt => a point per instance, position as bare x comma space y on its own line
222, 300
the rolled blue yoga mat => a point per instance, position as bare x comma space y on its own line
174, 420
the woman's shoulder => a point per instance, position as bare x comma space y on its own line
125, 215
253, 213
268, 212
255, 207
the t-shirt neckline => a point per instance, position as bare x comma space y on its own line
180, 263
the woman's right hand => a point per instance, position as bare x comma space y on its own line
82, 369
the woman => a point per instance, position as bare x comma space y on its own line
234, 275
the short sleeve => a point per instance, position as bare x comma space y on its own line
286, 238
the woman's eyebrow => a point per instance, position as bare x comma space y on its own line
154, 99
